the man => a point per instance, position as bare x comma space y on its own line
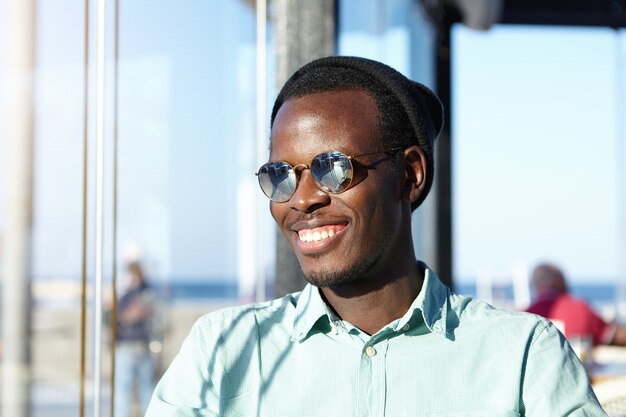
374, 333
573, 316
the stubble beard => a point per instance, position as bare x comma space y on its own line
326, 275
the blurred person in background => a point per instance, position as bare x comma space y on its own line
573, 316
134, 362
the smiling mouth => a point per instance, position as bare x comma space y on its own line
320, 235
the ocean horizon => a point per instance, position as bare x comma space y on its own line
180, 290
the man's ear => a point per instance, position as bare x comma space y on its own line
415, 173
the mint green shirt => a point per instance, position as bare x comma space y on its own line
448, 356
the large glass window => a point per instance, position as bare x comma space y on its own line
179, 196
41, 213
538, 127
186, 156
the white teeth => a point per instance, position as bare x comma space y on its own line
309, 236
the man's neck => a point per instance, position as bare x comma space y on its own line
370, 308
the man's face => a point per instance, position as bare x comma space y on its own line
339, 238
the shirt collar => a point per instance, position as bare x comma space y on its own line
309, 309
432, 301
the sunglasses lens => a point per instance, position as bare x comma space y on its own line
332, 171
278, 181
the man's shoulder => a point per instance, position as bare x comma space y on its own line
240, 317
475, 311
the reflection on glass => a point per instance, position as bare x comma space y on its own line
186, 95
186, 158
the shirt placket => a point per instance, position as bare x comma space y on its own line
372, 376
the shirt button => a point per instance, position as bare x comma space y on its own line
370, 351
334, 330
406, 327
437, 328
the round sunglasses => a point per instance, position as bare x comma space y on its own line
332, 172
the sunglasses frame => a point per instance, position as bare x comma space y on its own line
298, 168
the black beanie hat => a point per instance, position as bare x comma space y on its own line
423, 108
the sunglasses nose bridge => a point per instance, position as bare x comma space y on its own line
299, 171
299, 168
308, 195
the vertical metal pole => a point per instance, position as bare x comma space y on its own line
114, 225
100, 102
83, 279
620, 147
19, 24
261, 137
442, 186
305, 30
443, 162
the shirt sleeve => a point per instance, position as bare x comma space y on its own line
554, 382
185, 390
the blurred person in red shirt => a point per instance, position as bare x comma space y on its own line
573, 316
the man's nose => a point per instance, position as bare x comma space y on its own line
308, 196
